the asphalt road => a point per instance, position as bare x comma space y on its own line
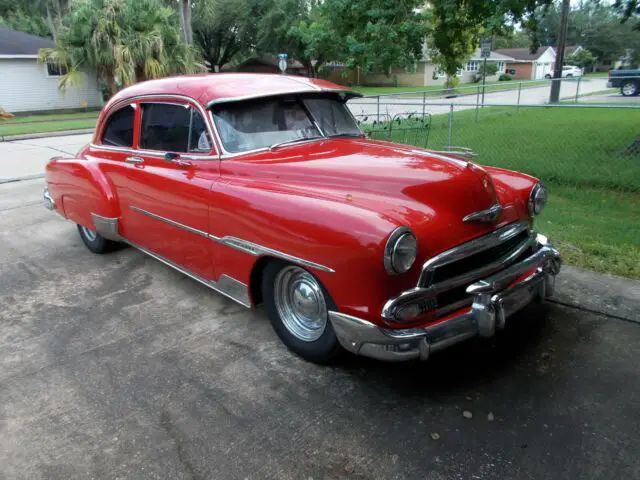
116, 366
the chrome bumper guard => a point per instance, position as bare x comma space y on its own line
47, 200
495, 298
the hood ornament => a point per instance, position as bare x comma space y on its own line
489, 215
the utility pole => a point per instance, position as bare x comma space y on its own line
562, 42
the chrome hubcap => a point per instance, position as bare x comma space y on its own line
89, 234
300, 303
629, 89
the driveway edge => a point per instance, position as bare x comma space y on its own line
30, 136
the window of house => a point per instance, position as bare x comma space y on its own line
473, 66
54, 70
119, 129
173, 128
500, 67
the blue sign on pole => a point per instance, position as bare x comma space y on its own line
282, 62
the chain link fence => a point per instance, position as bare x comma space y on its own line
569, 143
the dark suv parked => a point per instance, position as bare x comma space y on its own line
628, 81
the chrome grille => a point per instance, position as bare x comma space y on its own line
448, 274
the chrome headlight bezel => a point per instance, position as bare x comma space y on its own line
537, 199
401, 237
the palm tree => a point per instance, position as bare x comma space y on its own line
124, 41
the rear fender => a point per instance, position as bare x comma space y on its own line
84, 194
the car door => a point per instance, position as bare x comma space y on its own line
165, 205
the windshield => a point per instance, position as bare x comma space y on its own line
270, 122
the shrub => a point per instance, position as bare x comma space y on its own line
505, 78
452, 82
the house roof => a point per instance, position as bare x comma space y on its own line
15, 44
494, 56
215, 88
570, 50
523, 54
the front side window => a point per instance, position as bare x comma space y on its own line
173, 128
333, 117
119, 129
262, 123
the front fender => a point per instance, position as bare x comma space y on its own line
346, 239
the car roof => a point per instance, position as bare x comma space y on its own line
210, 89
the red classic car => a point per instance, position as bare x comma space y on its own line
264, 188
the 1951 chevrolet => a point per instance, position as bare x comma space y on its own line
264, 188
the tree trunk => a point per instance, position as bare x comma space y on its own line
187, 21
183, 28
52, 26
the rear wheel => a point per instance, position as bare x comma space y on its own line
298, 308
629, 89
96, 242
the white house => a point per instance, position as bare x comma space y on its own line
28, 86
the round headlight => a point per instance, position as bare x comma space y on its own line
537, 199
401, 251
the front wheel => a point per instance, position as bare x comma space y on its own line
298, 308
94, 241
629, 89
547, 76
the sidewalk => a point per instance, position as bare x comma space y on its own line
26, 158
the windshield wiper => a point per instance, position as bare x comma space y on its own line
338, 135
295, 140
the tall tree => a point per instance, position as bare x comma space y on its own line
459, 24
372, 34
222, 29
124, 41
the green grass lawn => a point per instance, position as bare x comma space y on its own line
594, 206
48, 123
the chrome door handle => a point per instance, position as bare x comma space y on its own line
136, 160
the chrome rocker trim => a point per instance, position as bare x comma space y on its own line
495, 299
238, 244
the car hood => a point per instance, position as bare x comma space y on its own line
410, 186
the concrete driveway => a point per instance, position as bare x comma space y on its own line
115, 366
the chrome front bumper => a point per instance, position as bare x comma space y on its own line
495, 298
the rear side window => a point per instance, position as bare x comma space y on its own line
119, 129
173, 128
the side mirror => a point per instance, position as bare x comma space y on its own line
170, 157
175, 159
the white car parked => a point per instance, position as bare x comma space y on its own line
568, 71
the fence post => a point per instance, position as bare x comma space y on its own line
450, 136
578, 89
477, 102
378, 109
424, 103
519, 92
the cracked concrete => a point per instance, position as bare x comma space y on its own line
115, 366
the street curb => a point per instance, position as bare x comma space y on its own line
34, 176
30, 136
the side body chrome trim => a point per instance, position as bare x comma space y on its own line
239, 244
489, 215
227, 286
170, 222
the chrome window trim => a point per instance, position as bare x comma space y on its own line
237, 243
150, 153
148, 98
